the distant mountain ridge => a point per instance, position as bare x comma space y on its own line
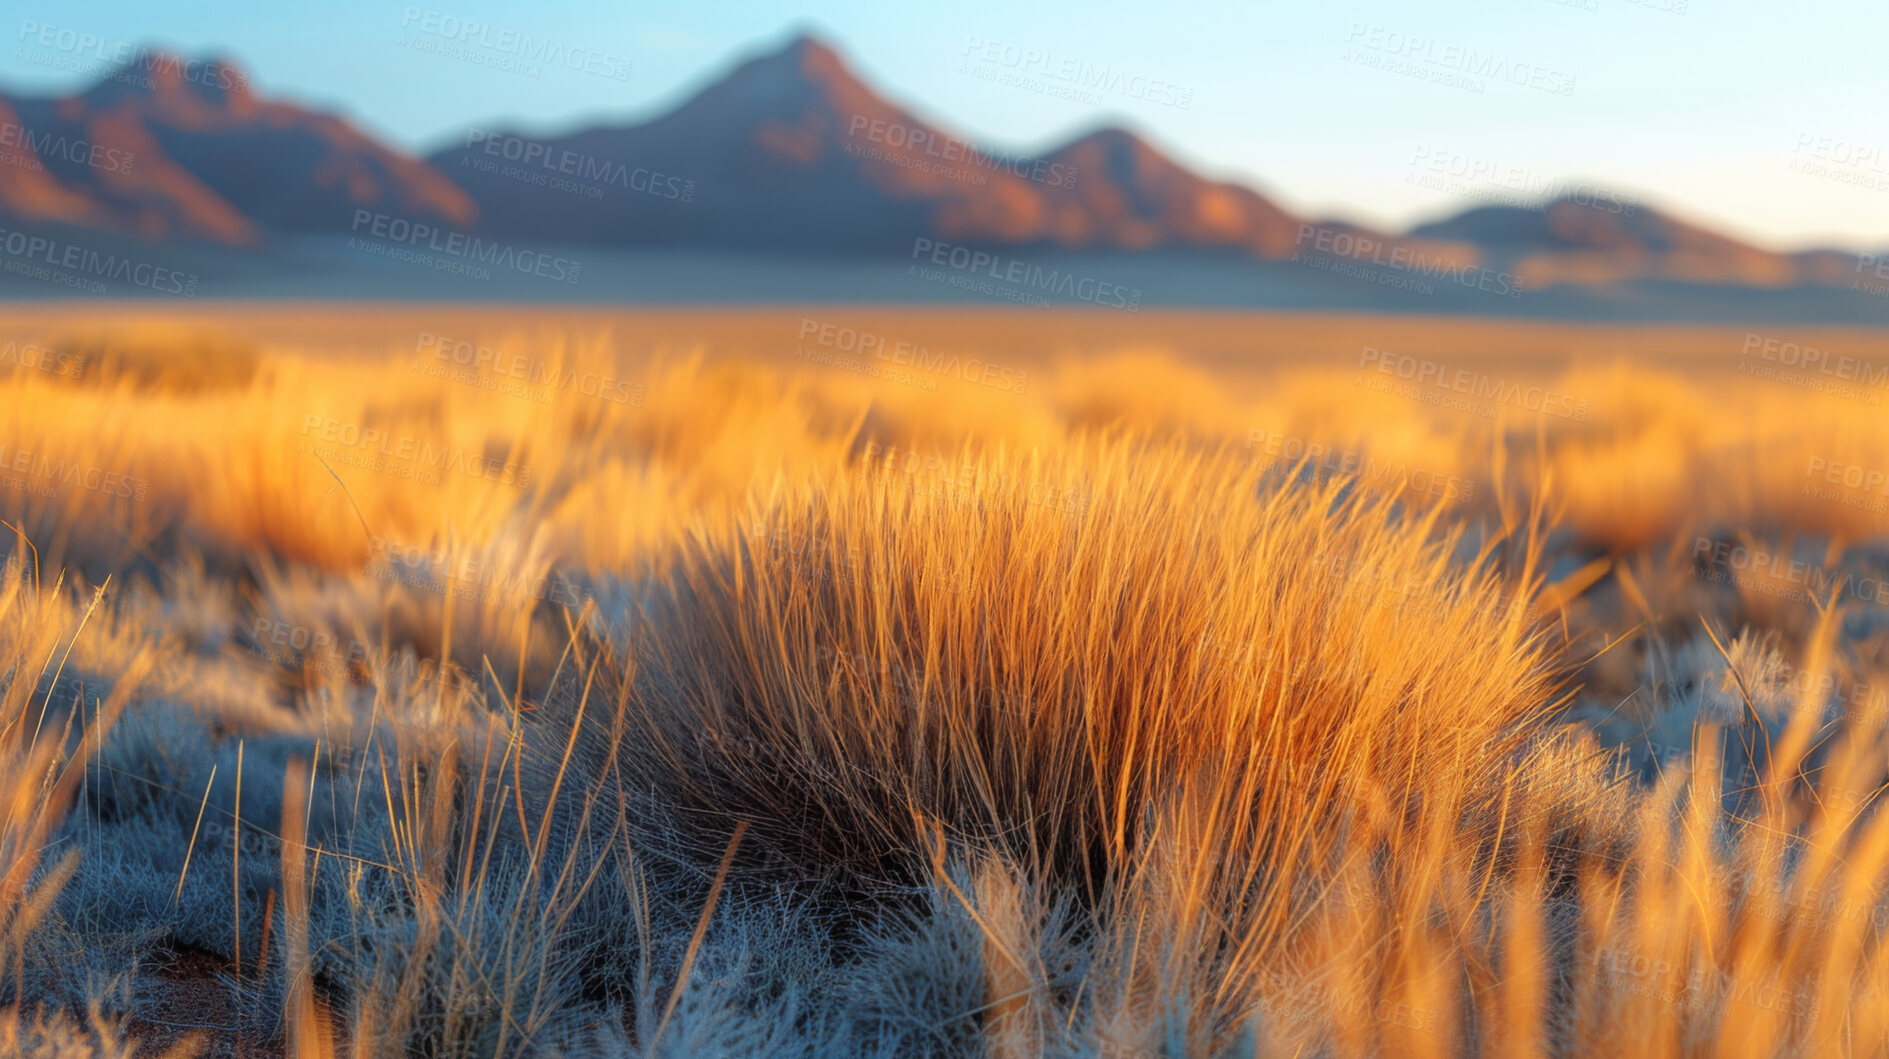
791, 151
1575, 240
186, 151
788, 152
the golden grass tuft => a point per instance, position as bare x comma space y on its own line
1036, 671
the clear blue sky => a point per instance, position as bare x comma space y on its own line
1760, 117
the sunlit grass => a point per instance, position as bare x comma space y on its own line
783, 711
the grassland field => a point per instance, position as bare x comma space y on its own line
826, 680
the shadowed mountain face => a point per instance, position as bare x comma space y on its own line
1134, 197
168, 148
791, 151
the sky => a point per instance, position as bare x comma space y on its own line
1759, 118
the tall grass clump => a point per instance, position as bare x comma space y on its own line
50, 734
1217, 768
1124, 671
1035, 652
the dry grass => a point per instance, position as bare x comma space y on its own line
777, 709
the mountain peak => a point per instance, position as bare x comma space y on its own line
1116, 147
155, 72
802, 90
1109, 135
806, 55
808, 44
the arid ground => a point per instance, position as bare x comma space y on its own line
827, 681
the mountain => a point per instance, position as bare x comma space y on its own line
791, 151
765, 157
1131, 196
1604, 239
169, 148
788, 152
